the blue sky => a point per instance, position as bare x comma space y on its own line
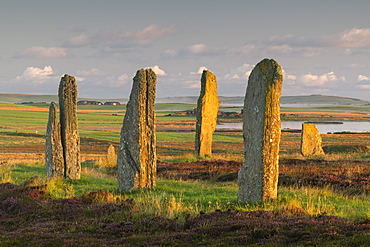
322, 45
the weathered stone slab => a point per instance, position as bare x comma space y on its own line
69, 127
136, 161
111, 156
311, 140
53, 151
258, 177
207, 109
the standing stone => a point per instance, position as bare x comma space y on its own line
207, 110
111, 156
310, 140
258, 177
69, 127
137, 151
54, 150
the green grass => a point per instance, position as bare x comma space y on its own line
174, 106
174, 118
23, 118
175, 198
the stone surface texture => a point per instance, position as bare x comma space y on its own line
207, 109
137, 151
258, 177
69, 127
311, 140
53, 149
111, 156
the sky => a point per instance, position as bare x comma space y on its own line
323, 46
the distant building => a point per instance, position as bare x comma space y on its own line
86, 102
112, 103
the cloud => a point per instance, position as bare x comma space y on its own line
79, 78
353, 38
199, 71
363, 86
291, 40
149, 33
364, 82
244, 50
350, 38
78, 41
91, 72
239, 73
289, 79
363, 78
291, 50
311, 80
124, 77
196, 49
158, 71
36, 75
119, 40
39, 52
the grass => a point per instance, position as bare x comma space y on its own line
194, 196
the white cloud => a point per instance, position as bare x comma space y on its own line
158, 71
240, 73
123, 77
288, 49
311, 80
309, 47
363, 78
79, 78
363, 86
195, 85
149, 33
39, 52
91, 72
144, 36
197, 48
78, 41
199, 71
291, 77
118, 41
246, 49
353, 38
36, 75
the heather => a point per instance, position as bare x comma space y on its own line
193, 204
29, 217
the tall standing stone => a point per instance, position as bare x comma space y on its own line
310, 140
207, 109
258, 177
53, 151
136, 161
69, 127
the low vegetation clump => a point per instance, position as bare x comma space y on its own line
30, 217
346, 149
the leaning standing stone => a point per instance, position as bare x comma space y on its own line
258, 177
69, 127
207, 109
53, 150
136, 161
310, 140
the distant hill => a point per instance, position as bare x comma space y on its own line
21, 98
322, 100
307, 99
237, 100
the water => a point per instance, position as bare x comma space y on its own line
351, 126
